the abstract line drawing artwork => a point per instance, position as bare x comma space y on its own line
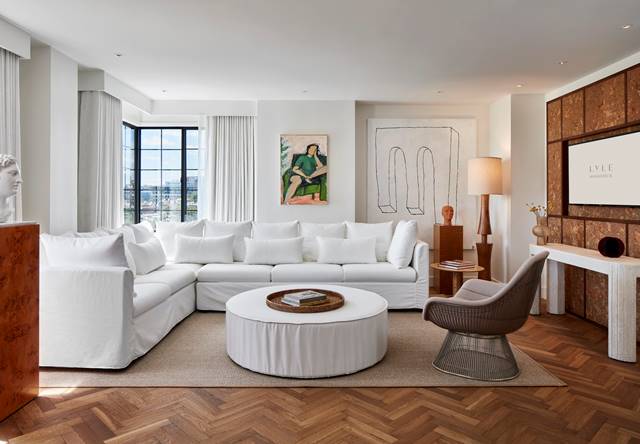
415, 166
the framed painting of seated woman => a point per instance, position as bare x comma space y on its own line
303, 169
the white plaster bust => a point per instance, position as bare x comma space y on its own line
10, 180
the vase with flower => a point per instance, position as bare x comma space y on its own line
541, 228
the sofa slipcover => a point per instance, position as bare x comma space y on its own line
147, 296
236, 272
380, 272
307, 272
174, 278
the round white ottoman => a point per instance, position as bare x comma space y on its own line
306, 345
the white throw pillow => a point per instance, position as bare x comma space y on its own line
402, 244
95, 251
240, 230
275, 230
310, 232
204, 250
273, 251
382, 232
347, 251
143, 231
148, 256
127, 234
166, 232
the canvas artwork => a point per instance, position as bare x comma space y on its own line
415, 167
303, 169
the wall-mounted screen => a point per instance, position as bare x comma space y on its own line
606, 171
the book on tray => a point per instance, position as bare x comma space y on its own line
304, 298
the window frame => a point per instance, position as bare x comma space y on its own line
138, 163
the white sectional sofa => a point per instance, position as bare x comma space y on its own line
96, 316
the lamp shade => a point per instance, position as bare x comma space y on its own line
484, 175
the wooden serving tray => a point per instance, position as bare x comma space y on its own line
334, 301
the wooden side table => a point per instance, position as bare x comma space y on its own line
457, 274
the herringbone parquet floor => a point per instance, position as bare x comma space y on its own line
601, 404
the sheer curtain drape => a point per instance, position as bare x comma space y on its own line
227, 150
99, 161
10, 113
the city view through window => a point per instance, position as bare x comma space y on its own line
160, 174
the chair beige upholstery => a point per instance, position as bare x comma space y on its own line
478, 317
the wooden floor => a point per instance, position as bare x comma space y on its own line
601, 404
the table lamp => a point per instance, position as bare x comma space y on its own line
484, 179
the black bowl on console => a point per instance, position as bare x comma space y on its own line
611, 246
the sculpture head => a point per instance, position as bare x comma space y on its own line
447, 214
10, 177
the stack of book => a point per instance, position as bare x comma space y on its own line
304, 298
457, 264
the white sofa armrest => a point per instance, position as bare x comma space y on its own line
420, 261
86, 317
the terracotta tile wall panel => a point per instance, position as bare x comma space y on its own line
596, 230
605, 212
555, 230
554, 121
633, 94
597, 301
605, 103
573, 114
633, 249
554, 178
573, 232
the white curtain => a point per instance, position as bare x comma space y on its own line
227, 152
10, 113
99, 161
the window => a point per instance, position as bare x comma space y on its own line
161, 181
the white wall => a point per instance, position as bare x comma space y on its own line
49, 131
500, 146
517, 134
335, 118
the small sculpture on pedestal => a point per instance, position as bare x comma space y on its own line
10, 180
447, 215
541, 229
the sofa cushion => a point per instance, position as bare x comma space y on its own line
166, 232
383, 233
173, 266
236, 272
346, 251
204, 250
307, 272
402, 243
94, 251
175, 279
311, 231
379, 272
148, 256
143, 231
275, 230
147, 296
240, 230
273, 251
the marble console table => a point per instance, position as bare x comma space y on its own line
622, 273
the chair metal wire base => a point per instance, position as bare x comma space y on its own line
472, 356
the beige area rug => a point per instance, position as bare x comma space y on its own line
194, 355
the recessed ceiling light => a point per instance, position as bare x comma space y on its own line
118, 54
519, 85
440, 91
562, 62
304, 91
164, 90
626, 26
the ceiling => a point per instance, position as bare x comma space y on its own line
374, 50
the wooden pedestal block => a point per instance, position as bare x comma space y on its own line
447, 245
19, 282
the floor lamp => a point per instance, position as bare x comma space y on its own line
484, 179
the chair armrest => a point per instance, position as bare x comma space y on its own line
482, 287
86, 316
420, 261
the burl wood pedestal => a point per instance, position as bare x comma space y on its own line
447, 245
19, 263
